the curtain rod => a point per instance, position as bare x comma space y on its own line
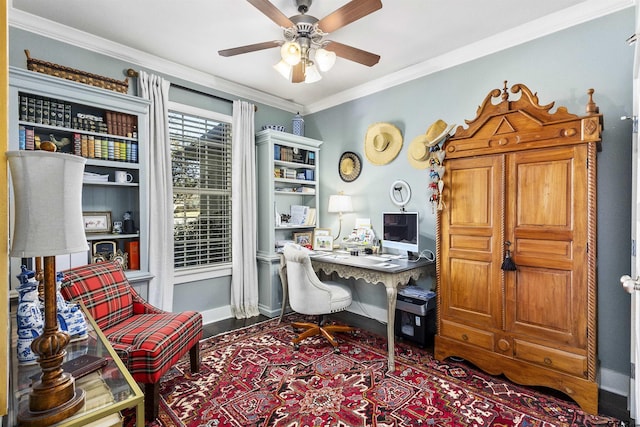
133, 73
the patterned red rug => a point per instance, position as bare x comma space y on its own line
253, 377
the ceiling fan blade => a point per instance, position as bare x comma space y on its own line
250, 48
348, 13
353, 54
272, 12
297, 75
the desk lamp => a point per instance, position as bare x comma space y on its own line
47, 190
340, 203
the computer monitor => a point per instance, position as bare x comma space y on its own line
400, 231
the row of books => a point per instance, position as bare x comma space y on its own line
88, 146
46, 111
105, 149
295, 155
288, 173
53, 112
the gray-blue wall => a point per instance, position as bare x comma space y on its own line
560, 67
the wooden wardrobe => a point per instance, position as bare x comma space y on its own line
523, 175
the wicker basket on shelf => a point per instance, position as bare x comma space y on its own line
76, 75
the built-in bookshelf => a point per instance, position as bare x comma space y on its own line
288, 200
107, 128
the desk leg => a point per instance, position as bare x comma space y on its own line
392, 293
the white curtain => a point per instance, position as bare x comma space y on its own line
156, 89
244, 280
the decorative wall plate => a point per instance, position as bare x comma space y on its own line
349, 166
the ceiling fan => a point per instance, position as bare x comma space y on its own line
305, 35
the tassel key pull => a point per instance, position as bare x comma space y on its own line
507, 263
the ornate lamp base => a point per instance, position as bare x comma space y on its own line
54, 396
29, 417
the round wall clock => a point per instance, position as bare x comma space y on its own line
349, 166
400, 193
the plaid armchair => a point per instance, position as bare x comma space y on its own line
148, 340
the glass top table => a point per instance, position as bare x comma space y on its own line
108, 390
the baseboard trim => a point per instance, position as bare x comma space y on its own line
614, 382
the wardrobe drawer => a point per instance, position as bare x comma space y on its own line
467, 334
559, 360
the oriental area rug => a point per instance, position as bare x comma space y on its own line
254, 377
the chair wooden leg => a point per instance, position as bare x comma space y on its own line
194, 358
329, 337
151, 401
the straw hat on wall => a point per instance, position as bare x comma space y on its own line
382, 143
418, 153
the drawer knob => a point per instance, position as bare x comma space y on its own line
547, 361
465, 337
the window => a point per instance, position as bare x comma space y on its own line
201, 168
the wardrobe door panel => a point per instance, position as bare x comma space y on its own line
472, 230
546, 220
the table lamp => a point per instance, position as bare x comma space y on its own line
47, 191
340, 203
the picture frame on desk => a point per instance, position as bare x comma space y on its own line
322, 242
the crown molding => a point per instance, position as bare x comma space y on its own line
53, 30
575, 15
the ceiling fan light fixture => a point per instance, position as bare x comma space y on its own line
291, 53
325, 59
284, 69
311, 73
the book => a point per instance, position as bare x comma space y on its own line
133, 249
298, 214
80, 366
22, 138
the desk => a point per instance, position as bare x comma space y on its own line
392, 274
108, 391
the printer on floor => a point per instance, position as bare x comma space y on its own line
416, 315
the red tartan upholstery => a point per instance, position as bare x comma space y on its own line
148, 340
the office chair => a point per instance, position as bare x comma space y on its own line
311, 296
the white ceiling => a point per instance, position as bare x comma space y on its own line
413, 38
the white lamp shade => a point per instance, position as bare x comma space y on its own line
291, 53
325, 59
284, 69
47, 190
340, 203
311, 74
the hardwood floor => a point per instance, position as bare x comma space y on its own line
610, 404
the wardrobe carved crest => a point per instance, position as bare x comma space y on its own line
522, 123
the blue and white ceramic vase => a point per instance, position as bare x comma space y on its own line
29, 316
297, 125
70, 318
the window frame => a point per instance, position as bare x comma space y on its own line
194, 273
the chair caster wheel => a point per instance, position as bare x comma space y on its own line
336, 350
296, 347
